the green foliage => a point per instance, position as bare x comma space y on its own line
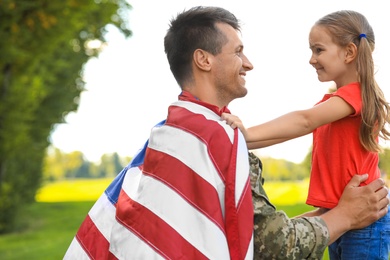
110, 165
59, 165
282, 170
306, 163
44, 47
384, 162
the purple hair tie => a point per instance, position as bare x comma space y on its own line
362, 35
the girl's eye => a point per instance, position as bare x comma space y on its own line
318, 50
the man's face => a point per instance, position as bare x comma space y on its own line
230, 66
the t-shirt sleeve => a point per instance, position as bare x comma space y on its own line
352, 95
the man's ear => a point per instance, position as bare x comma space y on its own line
351, 52
202, 59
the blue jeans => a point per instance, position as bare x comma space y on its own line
370, 243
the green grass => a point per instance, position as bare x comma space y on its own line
47, 228
47, 233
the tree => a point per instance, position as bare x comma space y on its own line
74, 163
306, 163
53, 165
59, 165
280, 169
110, 165
44, 47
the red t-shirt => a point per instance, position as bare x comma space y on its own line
337, 153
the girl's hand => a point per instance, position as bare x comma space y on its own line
234, 122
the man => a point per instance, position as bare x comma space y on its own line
187, 194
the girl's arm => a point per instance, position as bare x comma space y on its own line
293, 124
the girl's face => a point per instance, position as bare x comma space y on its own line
328, 58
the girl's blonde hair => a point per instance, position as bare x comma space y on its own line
349, 26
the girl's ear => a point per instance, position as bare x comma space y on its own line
202, 59
351, 52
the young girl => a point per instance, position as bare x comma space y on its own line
346, 126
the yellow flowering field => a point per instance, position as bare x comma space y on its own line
280, 193
286, 192
72, 190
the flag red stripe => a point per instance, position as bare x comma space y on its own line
206, 130
198, 192
231, 218
239, 238
138, 225
142, 222
92, 241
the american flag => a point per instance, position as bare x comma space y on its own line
185, 195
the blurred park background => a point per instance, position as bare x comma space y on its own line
54, 162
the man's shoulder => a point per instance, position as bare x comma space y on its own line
197, 118
188, 108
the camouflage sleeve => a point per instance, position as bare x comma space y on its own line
276, 236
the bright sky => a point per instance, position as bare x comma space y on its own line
130, 86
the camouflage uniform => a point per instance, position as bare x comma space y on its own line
276, 236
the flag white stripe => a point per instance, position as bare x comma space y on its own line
181, 145
131, 182
208, 114
126, 245
76, 252
103, 215
249, 252
205, 235
242, 167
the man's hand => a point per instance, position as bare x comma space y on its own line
364, 204
358, 207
